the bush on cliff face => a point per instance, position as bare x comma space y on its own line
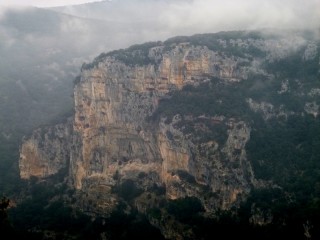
185, 210
134, 55
210, 99
127, 190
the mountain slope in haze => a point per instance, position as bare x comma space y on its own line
117, 10
201, 136
39, 60
42, 50
41, 53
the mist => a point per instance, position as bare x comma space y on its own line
204, 151
47, 46
88, 29
178, 17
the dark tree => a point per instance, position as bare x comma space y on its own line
4, 221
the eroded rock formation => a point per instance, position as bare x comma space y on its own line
114, 136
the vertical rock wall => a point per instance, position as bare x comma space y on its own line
111, 138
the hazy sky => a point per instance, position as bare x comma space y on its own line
47, 3
137, 21
207, 15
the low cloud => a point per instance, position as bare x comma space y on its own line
213, 16
45, 3
118, 24
159, 19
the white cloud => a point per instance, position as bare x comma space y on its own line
213, 15
46, 3
166, 18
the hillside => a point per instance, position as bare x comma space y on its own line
189, 138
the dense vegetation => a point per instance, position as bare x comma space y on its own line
139, 54
134, 55
47, 213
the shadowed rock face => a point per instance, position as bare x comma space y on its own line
112, 139
46, 152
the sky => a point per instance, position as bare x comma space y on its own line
137, 21
151, 20
202, 14
45, 3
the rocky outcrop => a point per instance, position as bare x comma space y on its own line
46, 152
112, 102
312, 108
267, 110
111, 139
215, 171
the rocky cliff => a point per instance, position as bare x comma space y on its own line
120, 135
46, 152
111, 134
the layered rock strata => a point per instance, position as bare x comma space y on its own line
112, 140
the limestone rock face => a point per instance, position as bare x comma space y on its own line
46, 152
112, 102
216, 172
111, 139
312, 108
